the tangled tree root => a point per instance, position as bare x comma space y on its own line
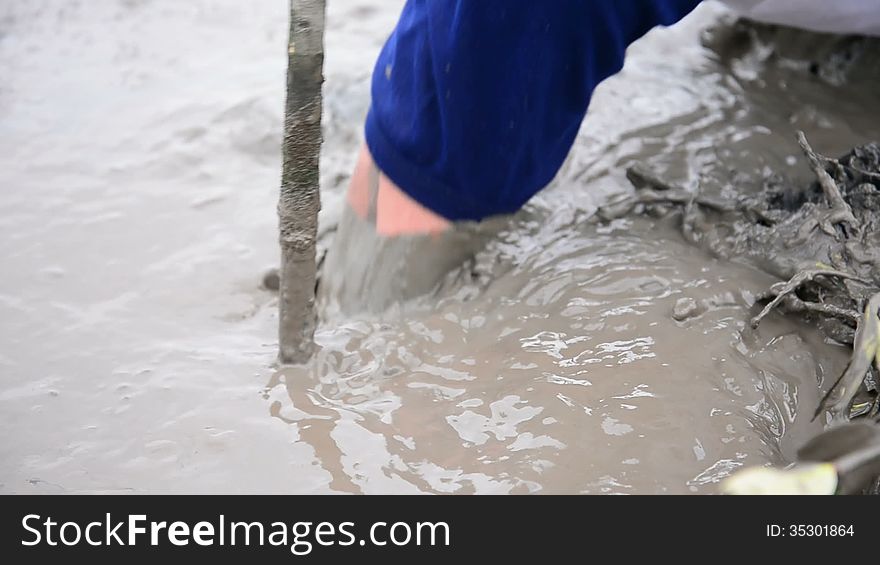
838, 211
786, 291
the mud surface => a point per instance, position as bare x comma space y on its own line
140, 180
820, 237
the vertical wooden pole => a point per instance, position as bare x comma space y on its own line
300, 198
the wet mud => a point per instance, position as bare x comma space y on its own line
568, 356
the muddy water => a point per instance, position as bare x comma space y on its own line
139, 167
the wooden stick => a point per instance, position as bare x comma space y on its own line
300, 198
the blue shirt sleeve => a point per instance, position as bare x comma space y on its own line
476, 103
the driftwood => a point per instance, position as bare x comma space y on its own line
299, 202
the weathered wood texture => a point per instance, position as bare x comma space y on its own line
300, 199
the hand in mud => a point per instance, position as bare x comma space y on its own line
389, 248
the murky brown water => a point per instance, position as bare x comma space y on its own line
139, 161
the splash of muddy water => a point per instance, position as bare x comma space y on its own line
139, 179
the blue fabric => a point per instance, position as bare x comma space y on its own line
476, 103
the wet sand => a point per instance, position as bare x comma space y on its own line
139, 160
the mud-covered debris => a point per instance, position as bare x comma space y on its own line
685, 308
822, 239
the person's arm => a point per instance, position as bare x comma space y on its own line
476, 103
